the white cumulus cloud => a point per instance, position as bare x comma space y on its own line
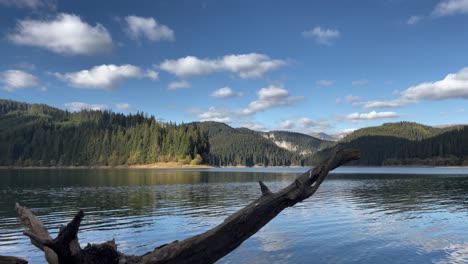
13, 80
453, 86
138, 27
352, 99
371, 115
178, 85
252, 65
254, 126
413, 20
269, 97
77, 106
387, 104
451, 7
306, 122
31, 4
322, 35
66, 34
105, 76
348, 130
225, 92
305, 125
123, 106
287, 124
217, 114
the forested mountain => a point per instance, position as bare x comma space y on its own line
241, 146
407, 143
405, 130
40, 135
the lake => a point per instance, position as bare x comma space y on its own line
359, 215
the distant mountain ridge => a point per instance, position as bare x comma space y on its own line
296, 142
323, 136
241, 146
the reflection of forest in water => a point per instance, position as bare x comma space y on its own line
368, 214
123, 192
393, 194
128, 192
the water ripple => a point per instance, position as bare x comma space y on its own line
353, 218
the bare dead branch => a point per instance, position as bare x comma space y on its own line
35, 226
264, 188
12, 260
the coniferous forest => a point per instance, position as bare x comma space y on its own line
241, 146
41, 135
411, 144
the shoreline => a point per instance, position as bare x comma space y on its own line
177, 166
158, 165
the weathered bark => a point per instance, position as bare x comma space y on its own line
36, 227
12, 260
207, 247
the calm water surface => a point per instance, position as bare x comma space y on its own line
359, 215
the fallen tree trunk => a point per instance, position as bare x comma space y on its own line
207, 247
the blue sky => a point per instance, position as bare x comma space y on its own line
292, 65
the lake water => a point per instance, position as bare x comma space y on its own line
359, 215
